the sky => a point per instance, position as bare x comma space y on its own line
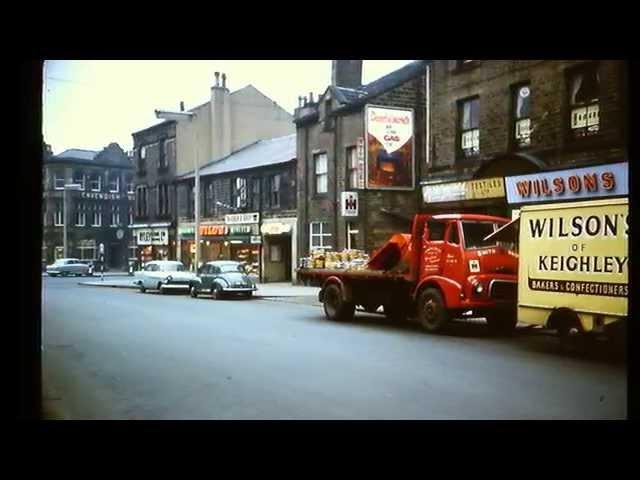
90, 104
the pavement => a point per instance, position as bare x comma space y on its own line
120, 354
271, 290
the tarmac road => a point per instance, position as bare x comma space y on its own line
120, 354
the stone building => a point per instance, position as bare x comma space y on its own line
228, 122
491, 119
247, 210
99, 211
338, 154
154, 229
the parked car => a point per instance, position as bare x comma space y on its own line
223, 277
164, 275
68, 266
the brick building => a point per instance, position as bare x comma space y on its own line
101, 211
498, 118
333, 145
247, 209
155, 202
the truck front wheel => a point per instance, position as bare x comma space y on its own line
432, 311
335, 308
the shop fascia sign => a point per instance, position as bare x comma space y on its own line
186, 230
275, 228
470, 190
152, 236
575, 184
101, 196
240, 218
214, 230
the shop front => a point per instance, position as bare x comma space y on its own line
221, 241
279, 248
485, 196
154, 242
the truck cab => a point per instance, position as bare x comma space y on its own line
463, 272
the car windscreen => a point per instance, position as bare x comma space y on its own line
475, 232
173, 267
231, 267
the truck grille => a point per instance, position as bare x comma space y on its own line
503, 290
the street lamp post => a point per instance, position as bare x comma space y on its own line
67, 187
177, 116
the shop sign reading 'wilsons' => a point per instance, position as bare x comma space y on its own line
579, 183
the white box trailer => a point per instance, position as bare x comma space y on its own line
574, 265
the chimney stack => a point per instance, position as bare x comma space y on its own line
224, 80
346, 73
299, 101
182, 106
217, 74
310, 97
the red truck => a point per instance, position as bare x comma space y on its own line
440, 271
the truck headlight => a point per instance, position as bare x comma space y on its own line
479, 288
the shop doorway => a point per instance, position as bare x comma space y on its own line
278, 258
117, 256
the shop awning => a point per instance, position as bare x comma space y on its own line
507, 233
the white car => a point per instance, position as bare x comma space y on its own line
68, 266
165, 275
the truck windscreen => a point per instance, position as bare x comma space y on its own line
475, 232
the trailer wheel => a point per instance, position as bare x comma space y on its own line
432, 311
335, 308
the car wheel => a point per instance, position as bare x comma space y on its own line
193, 291
432, 312
142, 289
248, 295
216, 292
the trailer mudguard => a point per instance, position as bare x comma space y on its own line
347, 294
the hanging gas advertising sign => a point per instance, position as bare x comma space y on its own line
390, 148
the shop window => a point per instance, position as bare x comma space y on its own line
58, 180
95, 182
79, 178
352, 167
320, 162
275, 253
58, 215
584, 101
97, 216
81, 215
87, 250
320, 235
352, 236
274, 191
468, 127
522, 115
114, 182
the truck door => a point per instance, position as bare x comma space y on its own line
452, 255
432, 248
